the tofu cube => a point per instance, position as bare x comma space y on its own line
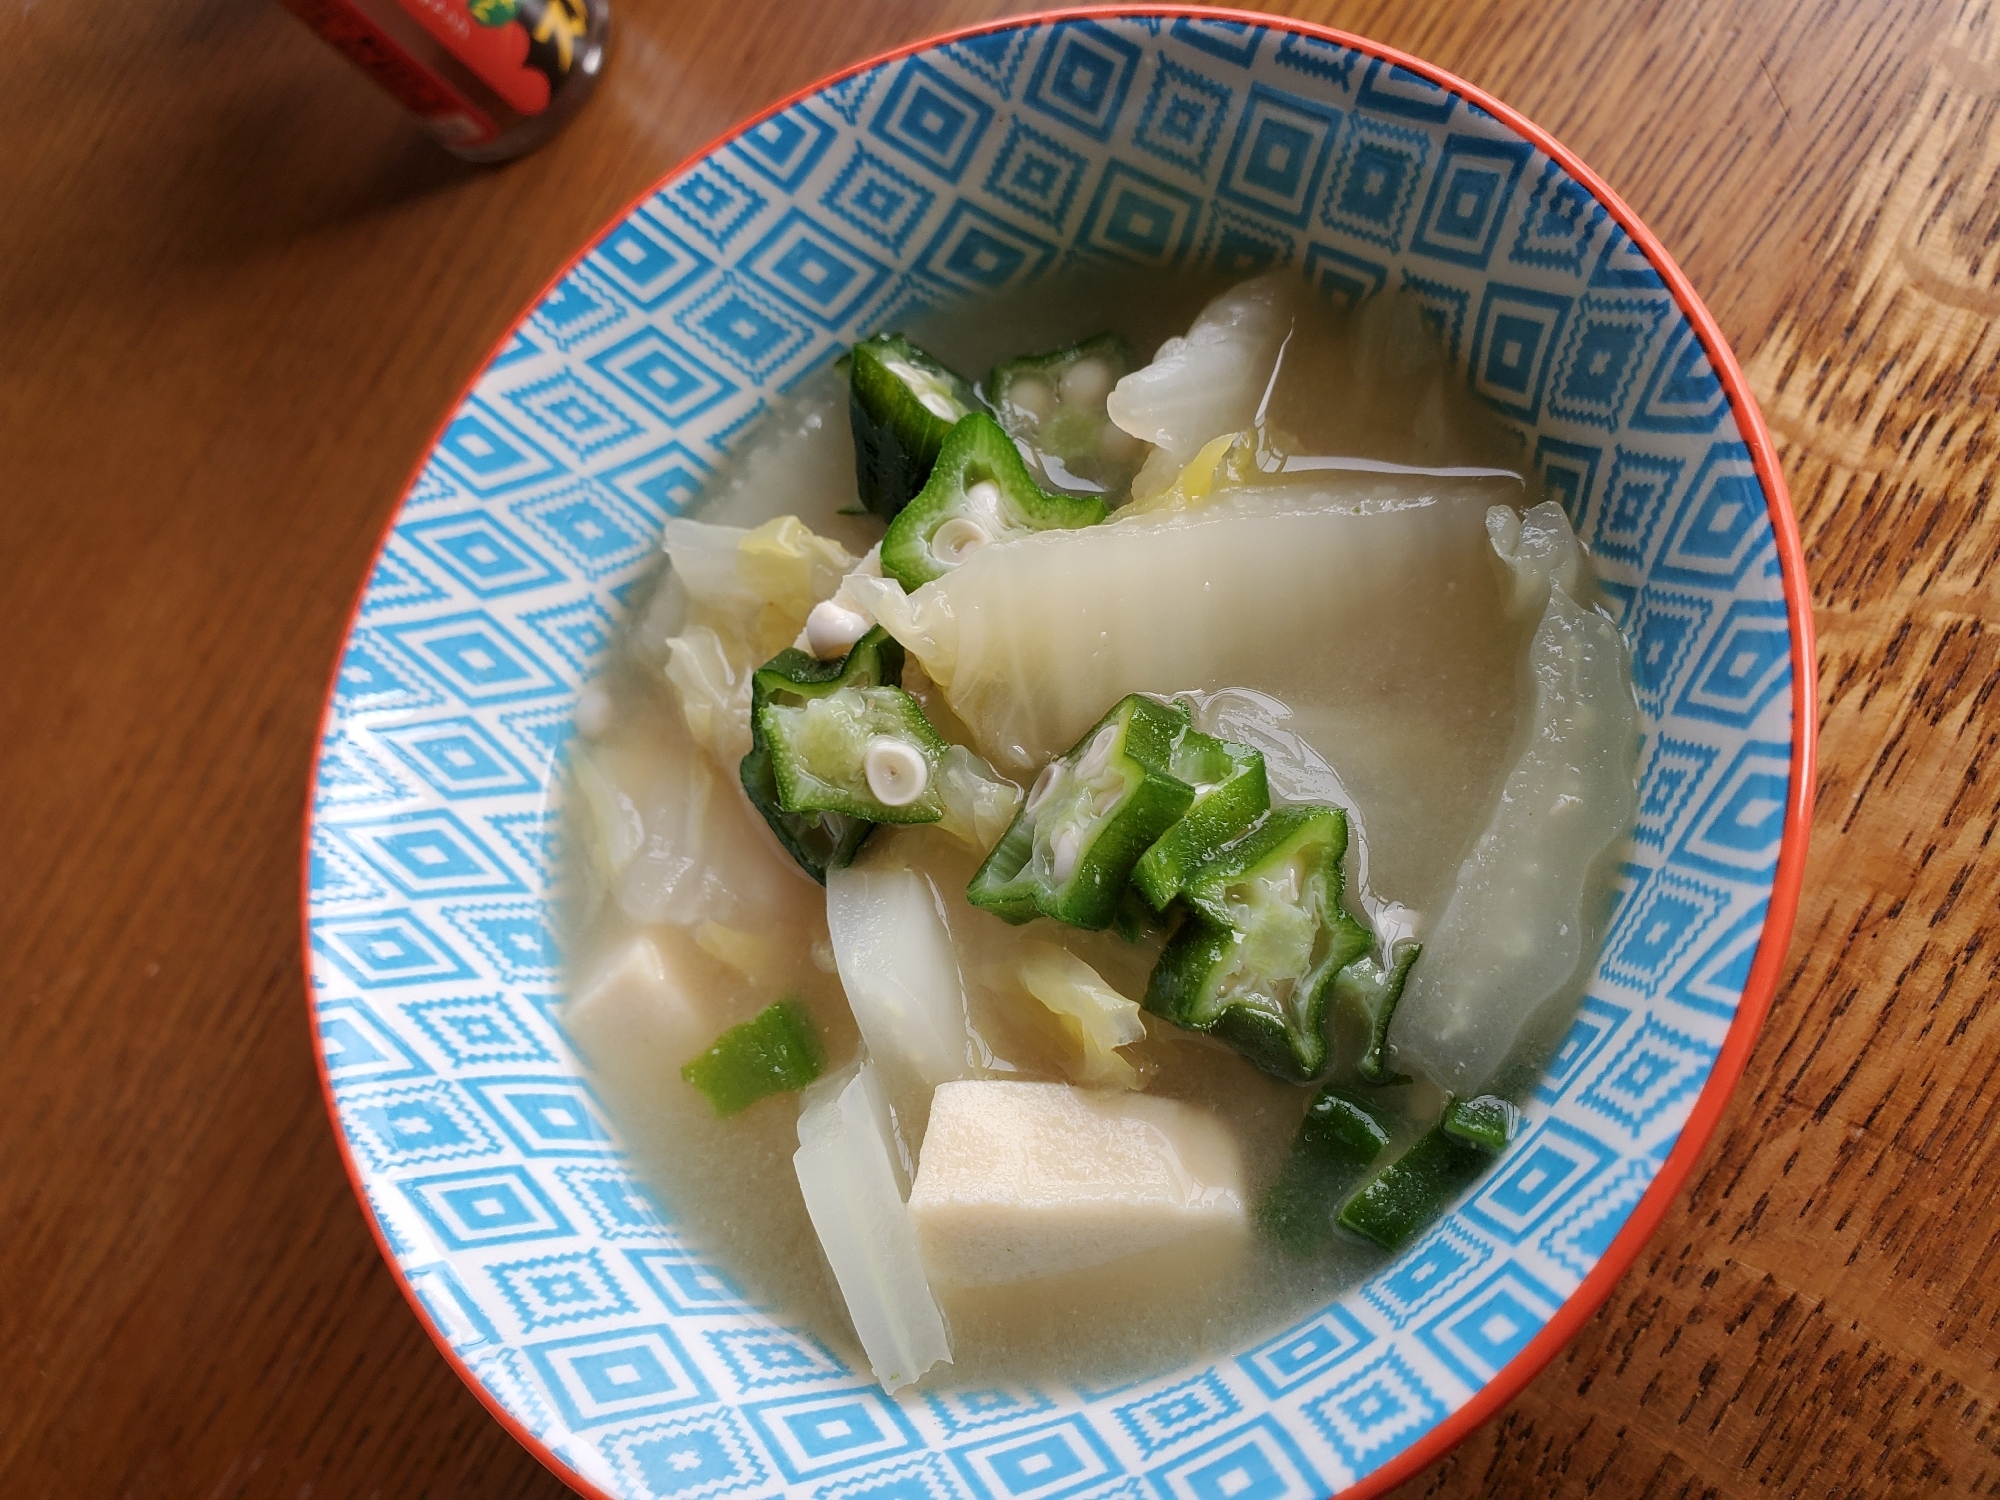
638, 1015
1018, 1181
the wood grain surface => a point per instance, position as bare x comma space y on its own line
238, 291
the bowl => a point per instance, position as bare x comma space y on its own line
974, 163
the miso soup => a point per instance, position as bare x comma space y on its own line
1103, 809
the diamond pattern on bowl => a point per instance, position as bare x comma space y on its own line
967, 167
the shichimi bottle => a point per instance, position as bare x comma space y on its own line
491, 79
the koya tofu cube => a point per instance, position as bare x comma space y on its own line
1024, 1180
639, 1013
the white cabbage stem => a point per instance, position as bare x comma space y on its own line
1210, 381
711, 676
616, 829
1540, 552
1097, 1017
1029, 641
594, 712
1568, 798
900, 971
852, 1183
978, 804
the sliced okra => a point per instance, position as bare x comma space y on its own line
1053, 404
903, 403
1337, 1142
979, 492
818, 838
1369, 992
1395, 1205
776, 1052
1254, 963
1488, 1121
862, 752
1231, 793
1091, 813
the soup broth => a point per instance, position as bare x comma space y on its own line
1334, 591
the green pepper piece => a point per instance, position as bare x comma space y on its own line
1366, 990
1069, 852
903, 403
1254, 963
818, 840
1488, 1121
1338, 1140
865, 752
1054, 403
776, 1052
979, 492
1230, 793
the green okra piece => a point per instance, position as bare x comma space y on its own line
979, 492
864, 752
1395, 1205
1092, 812
1055, 404
1135, 918
776, 1052
1255, 961
1369, 992
1231, 792
1337, 1142
820, 839
903, 403
876, 659
1488, 1121
844, 738
818, 842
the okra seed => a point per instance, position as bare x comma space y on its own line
832, 629
956, 540
1063, 854
924, 385
1044, 784
982, 497
1098, 756
897, 772
1086, 383
1116, 446
1032, 397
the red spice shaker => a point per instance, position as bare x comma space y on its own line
491, 79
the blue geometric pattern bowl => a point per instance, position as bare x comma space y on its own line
499, 1189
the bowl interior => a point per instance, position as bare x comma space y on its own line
975, 166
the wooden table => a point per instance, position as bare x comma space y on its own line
236, 293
